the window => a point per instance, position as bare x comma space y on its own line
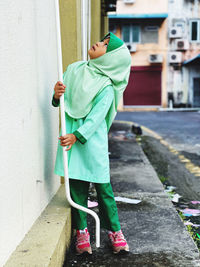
131, 33
126, 33
135, 33
149, 34
195, 30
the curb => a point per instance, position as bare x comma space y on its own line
180, 109
192, 168
46, 242
134, 127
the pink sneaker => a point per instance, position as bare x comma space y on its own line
83, 242
118, 242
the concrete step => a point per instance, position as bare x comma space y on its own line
49, 237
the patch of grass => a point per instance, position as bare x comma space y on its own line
191, 230
181, 215
162, 178
194, 235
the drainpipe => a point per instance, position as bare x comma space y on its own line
63, 126
89, 26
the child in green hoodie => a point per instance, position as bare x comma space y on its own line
92, 90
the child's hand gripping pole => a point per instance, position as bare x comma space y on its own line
63, 128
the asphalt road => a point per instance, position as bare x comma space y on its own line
180, 129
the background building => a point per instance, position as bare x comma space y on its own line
184, 50
164, 41
142, 24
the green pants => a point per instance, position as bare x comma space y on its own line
107, 206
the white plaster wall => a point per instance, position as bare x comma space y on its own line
29, 124
183, 9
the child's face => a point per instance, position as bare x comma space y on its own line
98, 49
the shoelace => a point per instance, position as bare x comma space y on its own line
119, 236
83, 238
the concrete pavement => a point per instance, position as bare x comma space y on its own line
155, 232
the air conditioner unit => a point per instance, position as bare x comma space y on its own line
129, 1
175, 32
131, 47
155, 58
181, 44
175, 57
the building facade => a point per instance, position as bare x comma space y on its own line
164, 42
143, 27
184, 50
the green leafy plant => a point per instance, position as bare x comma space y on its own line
162, 178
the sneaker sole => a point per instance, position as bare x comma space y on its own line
121, 252
85, 253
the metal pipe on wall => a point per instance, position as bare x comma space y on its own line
89, 25
84, 28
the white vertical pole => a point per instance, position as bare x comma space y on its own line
89, 24
84, 28
63, 128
